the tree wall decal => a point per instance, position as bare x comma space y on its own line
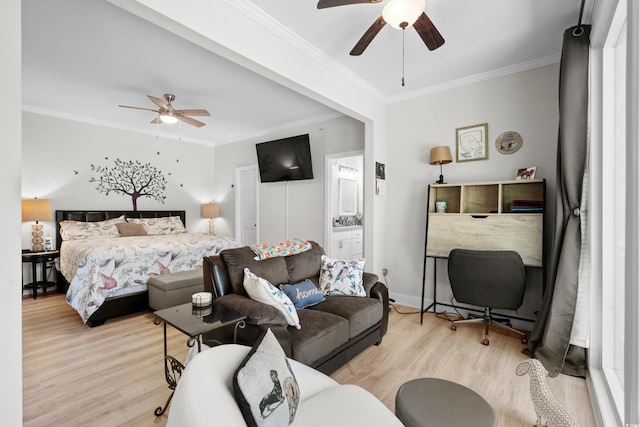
131, 178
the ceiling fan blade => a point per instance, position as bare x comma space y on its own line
373, 30
322, 4
156, 121
159, 102
198, 112
138, 108
190, 121
428, 32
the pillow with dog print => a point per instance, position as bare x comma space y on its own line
265, 387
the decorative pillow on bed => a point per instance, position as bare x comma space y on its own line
342, 277
265, 387
76, 230
162, 225
127, 229
262, 291
286, 248
303, 294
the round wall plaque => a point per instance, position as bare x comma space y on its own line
508, 142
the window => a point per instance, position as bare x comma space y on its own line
614, 352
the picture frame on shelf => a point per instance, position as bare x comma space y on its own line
472, 143
526, 173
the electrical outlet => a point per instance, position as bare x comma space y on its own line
385, 272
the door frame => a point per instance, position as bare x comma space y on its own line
327, 190
239, 207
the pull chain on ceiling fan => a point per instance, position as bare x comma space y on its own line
398, 14
167, 114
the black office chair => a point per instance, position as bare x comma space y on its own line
489, 279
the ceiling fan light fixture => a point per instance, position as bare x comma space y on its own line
402, 13
168, 117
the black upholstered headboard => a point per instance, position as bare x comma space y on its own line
95, 215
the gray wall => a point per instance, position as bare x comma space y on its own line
54, 149
525, 102
306, 198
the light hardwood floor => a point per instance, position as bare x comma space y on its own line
112, 375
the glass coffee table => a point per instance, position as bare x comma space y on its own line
193, 322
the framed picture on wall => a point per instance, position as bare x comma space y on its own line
472, 143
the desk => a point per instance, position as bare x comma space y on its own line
42, 259
192, 322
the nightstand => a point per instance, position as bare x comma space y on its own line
45, 260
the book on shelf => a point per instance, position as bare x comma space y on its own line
521, 205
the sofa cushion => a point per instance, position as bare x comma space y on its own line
256, 312
362, 313
265, 387
303, 294
262, 291
347, 405
304, 265
342, 277
237, 259
321, 334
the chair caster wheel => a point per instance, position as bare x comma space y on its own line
524, 340
485, 341
454, 327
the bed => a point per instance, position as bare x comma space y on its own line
105, 272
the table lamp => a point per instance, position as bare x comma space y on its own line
211, 211
36, 210
440, 156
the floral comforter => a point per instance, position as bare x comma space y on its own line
101, 268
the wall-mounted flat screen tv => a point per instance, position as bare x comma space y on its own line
286, 159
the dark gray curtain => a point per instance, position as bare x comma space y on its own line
549, 340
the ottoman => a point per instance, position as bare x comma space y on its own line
433, 402
169, 290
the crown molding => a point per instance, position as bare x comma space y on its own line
260, 17
112, 125
477, 78
287, 126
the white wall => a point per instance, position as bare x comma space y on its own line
10, 303
525, 102
305, 198
54, 149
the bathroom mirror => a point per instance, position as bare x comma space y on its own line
348, 197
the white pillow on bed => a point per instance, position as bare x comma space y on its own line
162, 225
77, 230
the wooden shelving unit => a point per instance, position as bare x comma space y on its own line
482, 216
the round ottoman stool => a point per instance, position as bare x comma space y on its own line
432, 402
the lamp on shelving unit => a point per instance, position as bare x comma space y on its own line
440, 156
36, 210
211, 211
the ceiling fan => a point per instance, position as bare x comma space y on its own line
167, 114
398, 14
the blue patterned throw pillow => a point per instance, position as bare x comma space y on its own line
303, 294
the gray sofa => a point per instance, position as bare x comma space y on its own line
332, 332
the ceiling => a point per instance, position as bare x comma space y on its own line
82, 58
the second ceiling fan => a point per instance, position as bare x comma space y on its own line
168, 114
398, 14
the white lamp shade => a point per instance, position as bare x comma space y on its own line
398, 11
36, 210
210, 210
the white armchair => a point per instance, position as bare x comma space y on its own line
204, 395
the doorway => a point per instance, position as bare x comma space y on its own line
246, 224
344, 204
